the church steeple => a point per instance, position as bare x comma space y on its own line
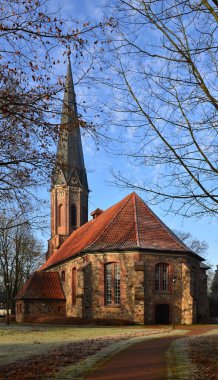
69, 102
70, 161
69, 192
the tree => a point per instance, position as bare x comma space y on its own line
214, 295
162, 60
2, 294
20, 255
198, 246
201, 248
32, 40
214, 287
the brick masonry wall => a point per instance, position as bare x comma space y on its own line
66, 196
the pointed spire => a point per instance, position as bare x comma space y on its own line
69, 191
70, 167
69, 110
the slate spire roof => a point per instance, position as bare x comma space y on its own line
128, 225
69, 110
70, 166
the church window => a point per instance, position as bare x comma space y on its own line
112, 284
60, 217
63, 276
117, 284
162, 277
108, 279
74, 286
73, 215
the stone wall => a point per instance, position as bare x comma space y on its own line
90, 301
19, 305
186, 298
28, 310
195, 302
73, 310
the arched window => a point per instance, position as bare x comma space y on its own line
73, 215
112, 284
60, 218
162, 277
63, 276
74, 286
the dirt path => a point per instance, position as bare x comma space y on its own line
142, 361
51, 362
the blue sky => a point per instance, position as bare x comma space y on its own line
99, 163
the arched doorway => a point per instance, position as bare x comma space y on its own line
162, 314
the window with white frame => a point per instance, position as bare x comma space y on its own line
112, 284
162, 277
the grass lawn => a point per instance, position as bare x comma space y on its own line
194, 357
18, 342
203, 353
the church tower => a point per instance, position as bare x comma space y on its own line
69, 190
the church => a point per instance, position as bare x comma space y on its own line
122, 266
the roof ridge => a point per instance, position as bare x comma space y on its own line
136, 220
111, 220
167, 229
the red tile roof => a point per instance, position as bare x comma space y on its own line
129, 224
42, 285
